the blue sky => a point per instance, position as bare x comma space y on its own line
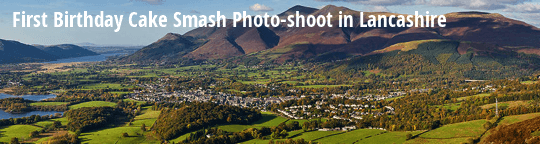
525, 10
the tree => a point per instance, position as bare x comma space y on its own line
57, 124
487, 125
14, 140
34, 134
143, 127
409, 136
283, 134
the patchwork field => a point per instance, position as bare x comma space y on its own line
104, 86
452, 133
114, 134
93, 104
20, 131
268, 120
48, 103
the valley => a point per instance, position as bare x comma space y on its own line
474, 81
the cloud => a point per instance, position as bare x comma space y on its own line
128, 4
524, 8
152, 2
373, 2
377, 9
260, 8
194, 11
472, 4
467, 4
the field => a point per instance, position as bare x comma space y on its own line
529, 82
388, 137
93, 104
450, 106
322, 86
452, 133
326, 137
478, 95
517, 118
114, 134
104, 86
268, 120
46, 123
349, 137
20, 131
48, 103
508, 104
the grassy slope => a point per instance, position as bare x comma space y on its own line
93, 104
114, 135
19, 131
452, 133
388, 138
47, 103
268, 120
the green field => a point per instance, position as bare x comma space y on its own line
478, 95
20, 131
114, 135
268, 120
350, 137
452, 133
48, 103
464, 129
130, 100
518, 118
322, 86
450, 106
389, 137
104, 86
93, 104
308, 136
529, 82
46, 123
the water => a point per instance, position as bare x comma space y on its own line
28, 97
6, 115
97, 58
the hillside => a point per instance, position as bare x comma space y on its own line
66, 51
281, 44
16, 52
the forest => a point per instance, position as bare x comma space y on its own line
174, 122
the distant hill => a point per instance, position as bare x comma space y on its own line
16, 52
66, 51
281, 44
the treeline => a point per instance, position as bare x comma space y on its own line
172, 123
63, 107
15, 105
218, 136
89, 118
27, 120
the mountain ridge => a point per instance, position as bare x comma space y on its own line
281, 44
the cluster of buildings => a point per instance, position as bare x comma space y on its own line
154, 93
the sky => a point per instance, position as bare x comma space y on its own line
524, 10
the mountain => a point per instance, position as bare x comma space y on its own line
170, 46
66, 51
16, 52
471, 30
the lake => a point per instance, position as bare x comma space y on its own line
96, 58
6, 115
28, 97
